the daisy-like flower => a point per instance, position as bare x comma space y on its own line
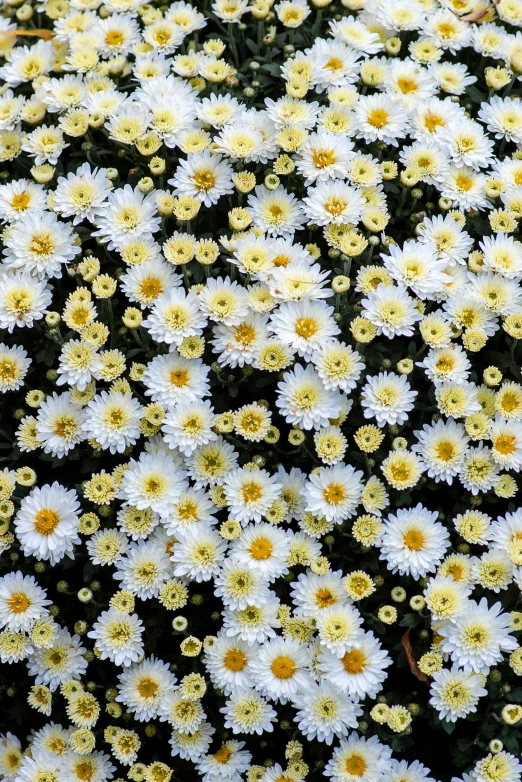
388, 398
203, 176
391, 310
82, 195
59, 662
502, 254
325, 713
146, 281
506, 443
231, 760
40, 244
304, 325
46, 523
211, 463
247, 712
264, 549
19, 198
239, 586
249, 493
417, 266
14, 365
334, 492
113, 420
200, 553
333, 202
142, 687
229, 663
324, 156
335, 64
276, 212
452, 243
339, 628
443, 365
442, 447
172, 379
144, 569
338, 365
59, 424
413, 541
479, 470
464, 186
281, 669
127, 214
152, 482
174, 316
402, 771
381, 117
361, 671
357, 759
476, 640
446, 597
45, 144
224, 301
22, 601
503, 117
304, 400
189, 425
118, 636
79, 363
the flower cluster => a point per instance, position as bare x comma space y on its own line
260, 312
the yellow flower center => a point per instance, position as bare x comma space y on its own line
46, 521
283, 667
413, 539
235, 660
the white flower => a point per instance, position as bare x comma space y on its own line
442, 447
380, 117
452, 243
449, 364
334, 492
276, 212
152, 482
446, 597
82, 194
333, 202
475, 641
325, 713
60, 662
264, 549
229, 663
249, 493
392, 310
40, 243
413, 541
79, 363
304, 400
417, 266
118, 636
239, 585
231, 760
203, 176
174, 316
22, 601
46, 523
388, 398
338, 365
20, 197
171, 379
324, 156
189, 425
14, 364
142, 687
358, 759
143, 569
59, 424
224, 301
339, 628
146, 281
127, 213
281, 669
199, 554
305, 325
113, 420
506, 443
361, 671
247, 712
